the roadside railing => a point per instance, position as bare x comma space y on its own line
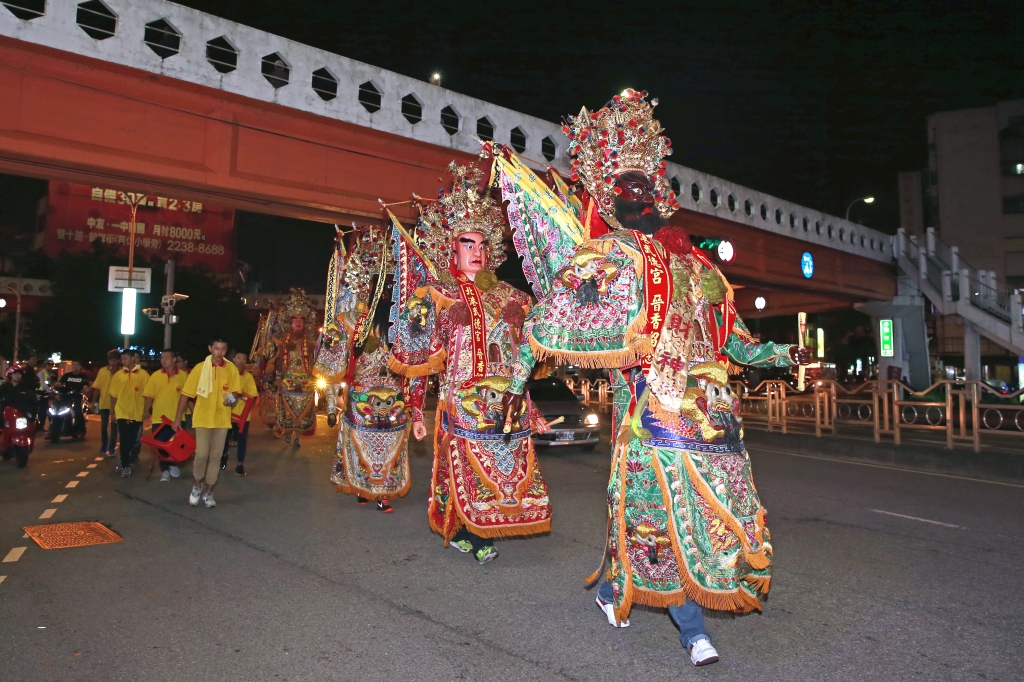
963, 410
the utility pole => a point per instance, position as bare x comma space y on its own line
168, 310
134, 200
17, 317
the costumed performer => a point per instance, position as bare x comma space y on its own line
686, 526
290, 352
454, 318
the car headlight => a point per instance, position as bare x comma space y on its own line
21, 423
53, 410
591, 419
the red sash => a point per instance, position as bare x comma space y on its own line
657, 293
478, 322
726, 309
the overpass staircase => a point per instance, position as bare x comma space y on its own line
955, 287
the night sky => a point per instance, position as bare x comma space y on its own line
818, 103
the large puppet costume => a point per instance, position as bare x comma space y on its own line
372, 457
454, 318
289, 355
686, 526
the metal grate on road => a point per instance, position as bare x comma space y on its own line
78, 534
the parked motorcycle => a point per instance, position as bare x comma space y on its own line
67, 417
18, 436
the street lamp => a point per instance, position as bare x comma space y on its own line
866, 200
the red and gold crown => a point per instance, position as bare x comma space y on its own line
458, 210
622, 137
364, 261
298, 304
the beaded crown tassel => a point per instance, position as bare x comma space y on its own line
622, 137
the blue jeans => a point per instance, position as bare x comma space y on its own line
689, 617
108, 431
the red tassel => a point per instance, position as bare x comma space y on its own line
675, 240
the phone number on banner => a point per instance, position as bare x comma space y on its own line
192, 247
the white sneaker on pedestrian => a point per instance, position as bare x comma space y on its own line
165, 477
175, 471
609, 611
209, 501
193, 498
702, 653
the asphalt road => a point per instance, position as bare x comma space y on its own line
879, 575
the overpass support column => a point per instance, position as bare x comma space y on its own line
910, 342
972, 353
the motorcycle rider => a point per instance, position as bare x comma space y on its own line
74, 383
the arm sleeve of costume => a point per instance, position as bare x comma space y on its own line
416, 348
523, 367
416, 391
741, 348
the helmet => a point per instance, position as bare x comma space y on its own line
15, 367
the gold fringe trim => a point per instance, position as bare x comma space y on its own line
373, 497
586, 359
506, 531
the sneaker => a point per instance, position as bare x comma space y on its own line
111, 453
193, 498
223, 462
702, 653
384, 505
486, 554
361, 501
609, 611
165, 477
296, 443
103, 449
288, 437
464, 546
175, 471
118, 467
209, 501
126, 472
240, 470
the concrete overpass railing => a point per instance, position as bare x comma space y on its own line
170, 40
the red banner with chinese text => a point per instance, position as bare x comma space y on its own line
191, 232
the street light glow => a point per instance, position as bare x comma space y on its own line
869, 200
3, 302
760, 303
128, 311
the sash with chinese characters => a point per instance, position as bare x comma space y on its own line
657, 293
478, 322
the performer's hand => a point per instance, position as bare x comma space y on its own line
175, 425
800, 356
511, 406
419, 430
459, 315
540, 424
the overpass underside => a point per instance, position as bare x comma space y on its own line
77, 119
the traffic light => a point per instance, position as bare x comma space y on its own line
723, 249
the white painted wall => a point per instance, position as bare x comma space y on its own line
58, 29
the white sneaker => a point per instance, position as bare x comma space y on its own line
210, 502
165, 476
609, 611
193, 498
175, 471
702, 653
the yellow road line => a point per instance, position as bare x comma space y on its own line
3, 578
98, 459
48, 513
885, 466
83, 474
14, 555
91, 466
59, 499
72, 484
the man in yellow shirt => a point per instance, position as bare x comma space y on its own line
163, 390
101, 388
215, 386
240, 433
127, 403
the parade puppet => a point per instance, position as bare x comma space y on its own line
372, 456
621, 289
454, 318
332, 351
289, 354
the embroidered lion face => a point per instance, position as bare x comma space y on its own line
483, 404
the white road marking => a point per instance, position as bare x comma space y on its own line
48, 513
3, 578
98, 459
72, 484
59, 499
83, 474
91, 466
915, 518
757, 448
14, 555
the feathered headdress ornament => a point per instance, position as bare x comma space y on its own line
620, 138
364, 261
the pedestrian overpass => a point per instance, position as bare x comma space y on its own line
152, 96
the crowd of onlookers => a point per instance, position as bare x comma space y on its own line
126, 395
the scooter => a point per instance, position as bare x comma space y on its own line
66, 415
18, 436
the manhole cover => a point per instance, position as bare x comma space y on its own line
79, 534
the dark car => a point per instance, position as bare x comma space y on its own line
580, 425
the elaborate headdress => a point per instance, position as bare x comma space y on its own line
459, 210
622, 137
364, 262
297, 304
